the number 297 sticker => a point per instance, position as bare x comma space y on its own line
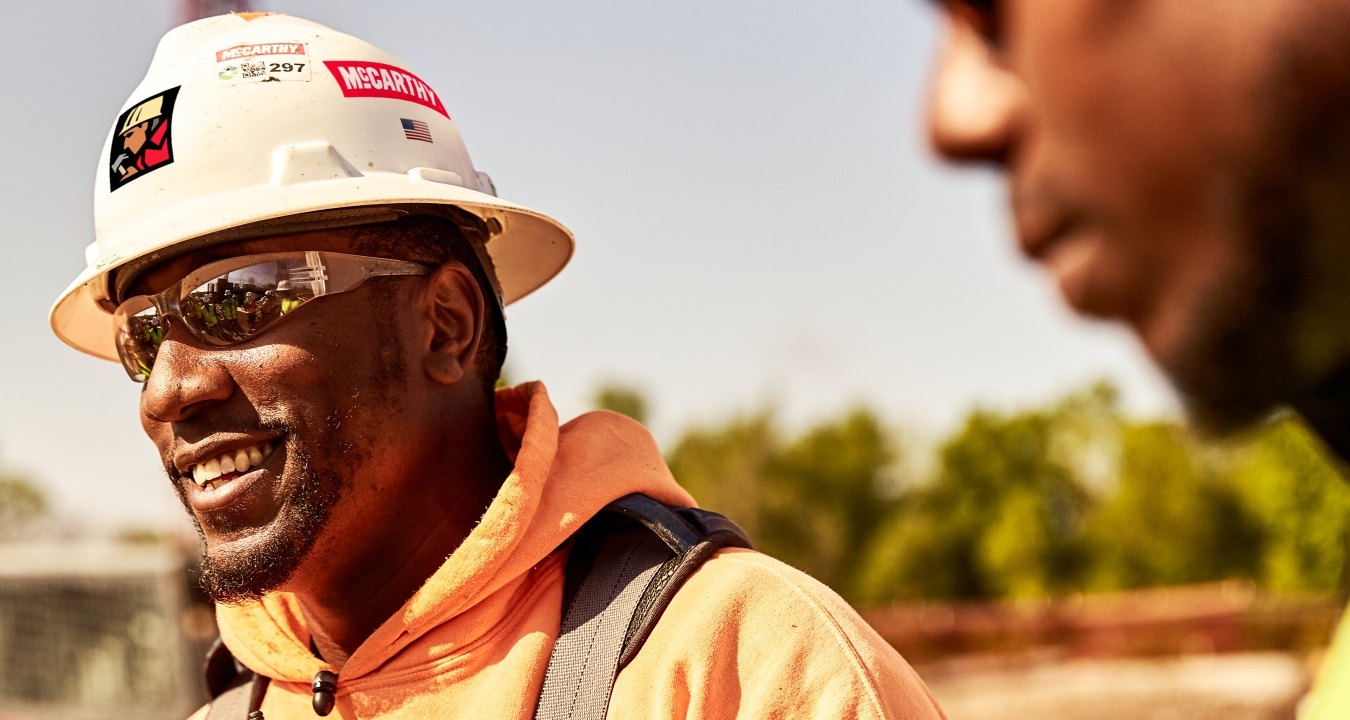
267, 62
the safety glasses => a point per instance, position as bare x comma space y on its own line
233, 301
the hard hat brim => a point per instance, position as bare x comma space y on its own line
528, 251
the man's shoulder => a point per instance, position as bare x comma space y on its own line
786, 639
751, 578
760, 593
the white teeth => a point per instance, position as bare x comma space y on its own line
230, 462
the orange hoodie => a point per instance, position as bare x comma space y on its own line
746, 637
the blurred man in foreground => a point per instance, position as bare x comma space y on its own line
1182, 167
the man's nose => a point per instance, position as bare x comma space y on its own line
975, 107
186, 378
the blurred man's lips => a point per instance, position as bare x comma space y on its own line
1066, 248
1069, 259
1040, 229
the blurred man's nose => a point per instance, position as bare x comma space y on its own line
975, 105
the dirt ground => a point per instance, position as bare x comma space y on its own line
1246, 686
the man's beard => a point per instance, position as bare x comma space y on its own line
1239, 363
237, 576
1263, 343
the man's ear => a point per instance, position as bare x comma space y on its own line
454, 315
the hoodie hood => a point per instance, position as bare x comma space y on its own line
562, 477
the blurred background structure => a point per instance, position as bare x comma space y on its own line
820, 322
99, 630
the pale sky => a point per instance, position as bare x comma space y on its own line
758, 221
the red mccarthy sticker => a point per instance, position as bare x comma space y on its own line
141, 143
360, 78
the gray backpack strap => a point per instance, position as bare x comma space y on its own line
620, 577
230, 705
236, 692
585, 658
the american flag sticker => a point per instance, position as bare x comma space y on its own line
415, 130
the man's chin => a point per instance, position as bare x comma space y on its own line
244, 569
240, 565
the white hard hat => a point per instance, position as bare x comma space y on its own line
246, 121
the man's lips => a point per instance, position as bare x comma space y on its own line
1068, 248
1040, 229
224, 479
220, 466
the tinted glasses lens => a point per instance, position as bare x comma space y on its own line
138, 338
232, 306
232, 301
222, 303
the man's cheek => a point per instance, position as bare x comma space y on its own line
161, 435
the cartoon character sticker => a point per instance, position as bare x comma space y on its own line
142, 140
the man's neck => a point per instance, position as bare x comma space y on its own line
362, 586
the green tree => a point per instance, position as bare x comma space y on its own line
622, 399
1175, 515
729, 469
1302, 502
836, 492
814, 501
1003, 514
995, 520
1067, 496
21, 504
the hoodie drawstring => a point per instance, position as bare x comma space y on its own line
325, 690
255, 698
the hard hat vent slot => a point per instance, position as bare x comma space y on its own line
445, 177
309, 162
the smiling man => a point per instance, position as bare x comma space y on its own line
1182, 167
309, 281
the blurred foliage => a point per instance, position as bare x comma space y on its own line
1067, 497
1301, 503
1002, 516
818, 499
22, 504
623, 400
1175, 516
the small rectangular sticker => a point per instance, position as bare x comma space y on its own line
416, 130
266, 62
361, 78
